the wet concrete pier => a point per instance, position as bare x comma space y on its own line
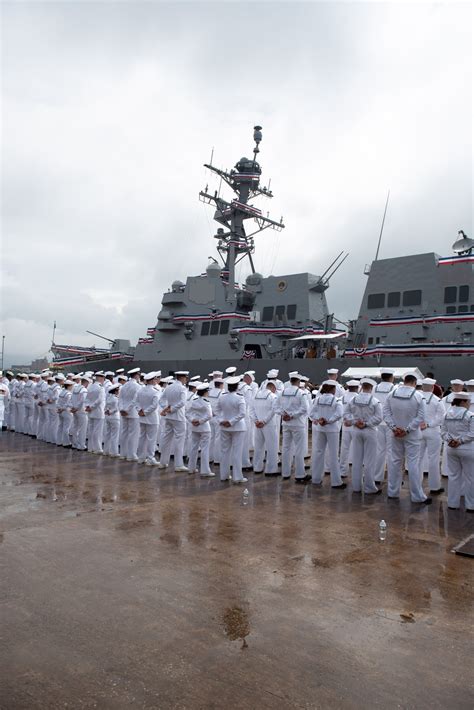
123, 586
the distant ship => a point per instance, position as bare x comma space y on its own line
417, 310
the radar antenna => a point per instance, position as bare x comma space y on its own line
463, 246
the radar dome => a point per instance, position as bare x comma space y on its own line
253, 279
213, 269
177, 285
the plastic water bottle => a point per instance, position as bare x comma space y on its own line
245, 496
382, 530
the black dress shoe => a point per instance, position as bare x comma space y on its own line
341, 486
247, 469
256, 471
428, 501
393, 497
469, 510
450, 507
304, 479
374, 493
436, 491
272, 475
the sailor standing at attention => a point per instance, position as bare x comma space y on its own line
470, 390
173, 403
199, 414
213, 395
4, 397
190, 394
293, 407
332, 375
431, 435
456, 387
326, 415
457, 431
20, 404
364, 412
79, 416
404, 411
244, 388
384, 434
129, 416
347, 429
230, 413
112, 422
52, 410
64, 415
29, 404
94, 406
147, 404
263, 416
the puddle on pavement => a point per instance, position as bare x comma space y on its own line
236, 624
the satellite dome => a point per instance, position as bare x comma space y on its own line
253, 279
177, 285
213, 269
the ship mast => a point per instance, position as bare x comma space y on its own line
234, 244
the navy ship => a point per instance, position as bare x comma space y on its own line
416, 311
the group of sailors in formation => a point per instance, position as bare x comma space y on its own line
370, 426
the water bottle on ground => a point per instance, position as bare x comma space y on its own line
245, 496
382, 530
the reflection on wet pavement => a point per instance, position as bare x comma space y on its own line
127, 586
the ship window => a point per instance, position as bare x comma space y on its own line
215, 327
205, 328
412, 298
267, 313
377, 341
472, 308
224, 327
376, 300
393, 299
463, 294
291, 311
280, 311
451, 309
371, 340
463, 309
450, 294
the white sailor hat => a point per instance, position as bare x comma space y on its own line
134, 371
233, 380
303, 378
295, 376
291, 374
158, 373
333, 371
113, 388
387, 371
462, 395
194, 378
218, 380
68, 382
50, 377
428, 381
230, 370
249, 372
122, 377
120, 370
109, 373
75, 377
59, 376
202, 386
457, 382
99, 373
216, 373
181, 373
352, 383
469, 383
368, 381
272, 374
149, 376
85, 378
167, 380
45, 373
331, 383
193, 384
9, 372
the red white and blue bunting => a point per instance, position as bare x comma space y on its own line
461, 259
420, 349
422, 320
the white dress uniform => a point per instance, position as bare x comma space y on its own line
4, 399
458, 424
147, 401
346, 437
405, 408
130, 430
187, 440
95, 405
42, 393
20, 408
431, 438
292, 402
52, 413
366, 408
200, 410
263, 408
384, 434
173, 424
328, 407
231, 407
446, 401
111, 424
65, 417
215, 448
29, 407
79, 417
36, 409
246, 391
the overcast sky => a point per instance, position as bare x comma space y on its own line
109, 110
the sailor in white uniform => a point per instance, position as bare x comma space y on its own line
457, 431
457, 385
29, 404
263, 417
19, 403
213, 395
7, 380
108, 381
95, 406
431, 435
172, 403
384, 434
42, 395
52, 421
404, 411
230, 413
347, 429
130, 425
292, 406
326, 414
112, 422
199, 415
64, 414
79, 416
364, 412
333, 373
246, 391
470, 390
4, 398
147, 404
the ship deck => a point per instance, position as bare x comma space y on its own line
124, 586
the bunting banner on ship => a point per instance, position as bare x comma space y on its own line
423, 350
422, 320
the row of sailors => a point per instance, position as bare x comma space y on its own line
226, 418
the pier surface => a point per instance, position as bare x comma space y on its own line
123, 586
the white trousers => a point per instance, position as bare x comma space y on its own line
95, 431
29, 416
431, 446
364, 458
65, 423
322, 441
406, 449
246, 463
79, 430
42, 421
20, 418
52, 425
345, 457
129, 437
384, 445
231, 454
461, 475
173, 436
293, 447
215, 450
147, 440
266, 440
111, 435
200, 440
